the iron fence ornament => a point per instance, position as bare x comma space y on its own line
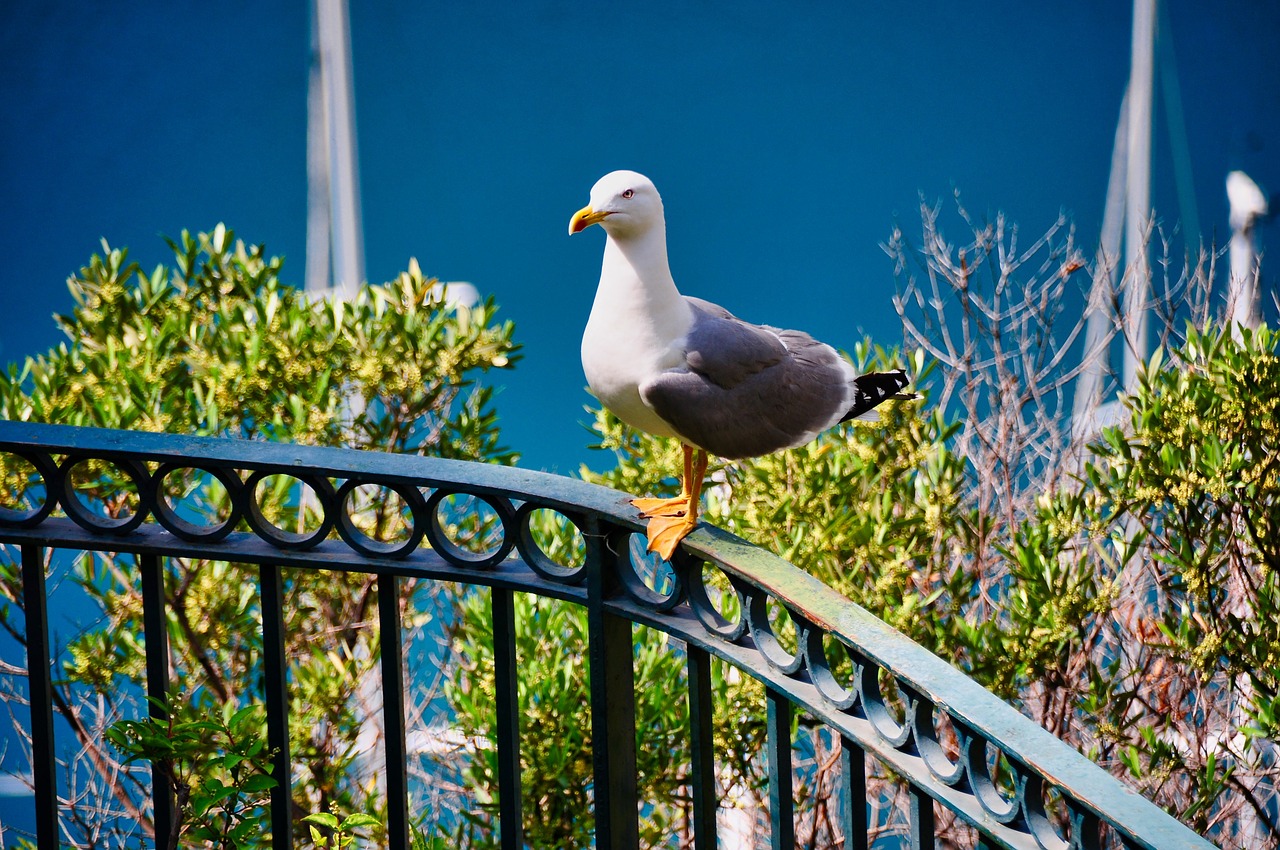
996, 769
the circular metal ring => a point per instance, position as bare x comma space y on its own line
91, 520
187, 530
757, 610
1033, 790
622, 547
535, 557
992, 800
273, 534
829, 687
366, 545
455, 554
50, 476
707, 613
895, 732
935, 757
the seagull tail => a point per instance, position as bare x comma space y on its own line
874, 388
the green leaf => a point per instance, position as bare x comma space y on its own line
258, 782
243, 715
322, 819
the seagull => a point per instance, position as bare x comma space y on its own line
677, 366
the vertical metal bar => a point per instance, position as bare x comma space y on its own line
276, 696
702, 749
155, 627
922, 821
778, 743
613, 705
853, 768
393, 714
44, 766
507, 709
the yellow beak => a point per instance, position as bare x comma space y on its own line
584, 218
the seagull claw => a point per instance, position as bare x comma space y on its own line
666, 532
675, 507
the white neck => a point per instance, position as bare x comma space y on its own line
636, 277
637, 326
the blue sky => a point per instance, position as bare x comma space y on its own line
786, 139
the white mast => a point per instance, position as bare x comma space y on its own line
1087, 412
335, 230
1128, 207
1138, 190
317, 274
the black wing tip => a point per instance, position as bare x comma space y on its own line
883, 383
875, 388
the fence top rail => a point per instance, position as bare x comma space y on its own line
1029, 747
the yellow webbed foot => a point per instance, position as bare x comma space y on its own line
678, 506
666, 532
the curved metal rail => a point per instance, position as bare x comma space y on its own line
1101, 811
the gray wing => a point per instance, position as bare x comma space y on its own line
748, 390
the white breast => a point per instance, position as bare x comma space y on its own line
617, 363
630, 338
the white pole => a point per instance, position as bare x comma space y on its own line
1247, 204
346, 227
1138, 193
1098, 312
317, 274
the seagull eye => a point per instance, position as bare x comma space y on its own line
629, 194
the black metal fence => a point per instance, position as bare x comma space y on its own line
1010, 811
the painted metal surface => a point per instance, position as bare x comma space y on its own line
611, 583
157, 648
391, 661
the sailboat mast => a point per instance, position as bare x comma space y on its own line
335, 230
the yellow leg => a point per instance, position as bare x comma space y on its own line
662, 507
676, 506
666, 531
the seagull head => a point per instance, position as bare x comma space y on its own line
624, 203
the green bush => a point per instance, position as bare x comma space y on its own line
1123, 594
217, 344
